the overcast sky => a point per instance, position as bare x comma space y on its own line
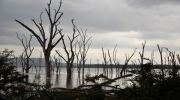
126, 23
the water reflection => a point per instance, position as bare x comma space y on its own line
36, 78
48, 82
69, 82
78, 80
62, 80
82, 78
57, 80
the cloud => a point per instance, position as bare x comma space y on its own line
126, 23
120, 16
99, 16
151, 3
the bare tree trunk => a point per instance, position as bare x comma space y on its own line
27, 65
48, 71
71, 53
126, 62
160, 52
86, 42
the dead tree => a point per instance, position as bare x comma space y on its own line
77, 54
105, 62
161, 56
97, 67
47, 46
21, 61
109, 67
178, 58
35, 66
110, 61
40, 62
70, 54
86, 43
58, 62
142, 54
51, 64
175, 68
25, 56
115, 60
126, 62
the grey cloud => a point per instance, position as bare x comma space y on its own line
103, 18
159, 21
1, 2
126, 18
155, 48
159, 35
151, 3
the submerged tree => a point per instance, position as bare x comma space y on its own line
47, 43
71, 53
85, 44
25, 56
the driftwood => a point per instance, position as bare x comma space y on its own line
98, 86
93, 78
79, 91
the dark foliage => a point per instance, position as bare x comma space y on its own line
51, 95
152, 86
10, 78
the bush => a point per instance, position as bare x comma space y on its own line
10, 78
152, 86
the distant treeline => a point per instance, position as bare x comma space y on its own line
128, 66
42, 64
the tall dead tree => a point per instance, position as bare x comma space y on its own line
58, 64
109, 67
126, 62
77, 53
47, 43
105, 62
21, 61
70, 54
25, 56
161, 56
142, 54
86, 42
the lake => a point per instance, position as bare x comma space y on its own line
60, 80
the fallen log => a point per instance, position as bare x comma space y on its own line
114, 79
93, 78
98, 86
101, 86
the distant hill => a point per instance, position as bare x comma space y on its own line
36, 62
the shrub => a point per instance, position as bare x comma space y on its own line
10, 78
152, 86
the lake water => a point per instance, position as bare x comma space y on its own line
60, 80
